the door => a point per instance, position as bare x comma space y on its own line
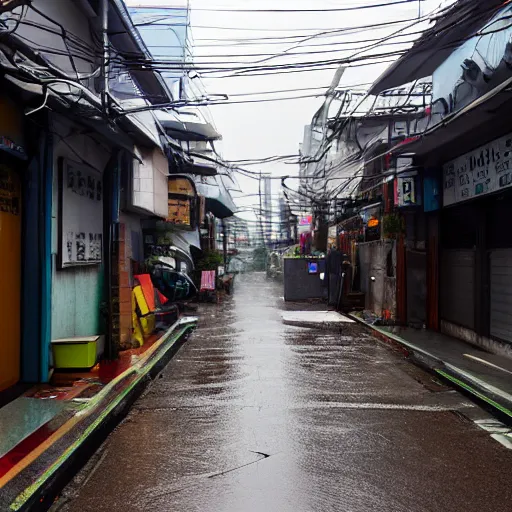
10, 269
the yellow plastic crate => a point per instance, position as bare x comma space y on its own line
76, 352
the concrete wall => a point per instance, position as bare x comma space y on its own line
150, 182
378, 260
76, 291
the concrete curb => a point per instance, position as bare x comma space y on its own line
57, 465
323, 326
496, 400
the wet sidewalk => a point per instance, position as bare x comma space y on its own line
252, 414
486, 376
45, 433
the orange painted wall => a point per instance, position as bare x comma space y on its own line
11, 126
10, 276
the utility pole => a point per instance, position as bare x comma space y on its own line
225, 244
261, 212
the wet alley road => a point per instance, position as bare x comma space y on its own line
252, 415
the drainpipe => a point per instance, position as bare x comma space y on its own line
106, 53
46, 257
111, 255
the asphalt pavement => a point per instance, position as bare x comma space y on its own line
254, 415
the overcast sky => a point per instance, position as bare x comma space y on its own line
259, 130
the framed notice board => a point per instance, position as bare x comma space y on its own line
80, 216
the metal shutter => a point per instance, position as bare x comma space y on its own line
501, 294
457, 287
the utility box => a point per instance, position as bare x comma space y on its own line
303, 279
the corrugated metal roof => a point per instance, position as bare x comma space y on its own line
453, 27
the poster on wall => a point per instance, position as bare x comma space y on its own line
407, 194
80, 215
482, 171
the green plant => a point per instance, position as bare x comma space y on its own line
392, 225
210, 260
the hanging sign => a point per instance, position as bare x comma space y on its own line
482, 171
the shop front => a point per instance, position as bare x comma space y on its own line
476, 244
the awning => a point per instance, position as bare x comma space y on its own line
190, 131
453, 27
184, 239
201, 166
218, 199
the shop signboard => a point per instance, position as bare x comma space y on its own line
9, 146
482, 171
306, 221
406, 192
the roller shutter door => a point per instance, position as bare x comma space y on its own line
457, 287
501, 294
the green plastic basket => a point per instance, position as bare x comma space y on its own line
79, 352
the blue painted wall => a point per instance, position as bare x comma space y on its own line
77, 292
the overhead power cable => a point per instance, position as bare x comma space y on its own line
294, 11
323, 32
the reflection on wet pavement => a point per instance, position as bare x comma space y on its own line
254, 415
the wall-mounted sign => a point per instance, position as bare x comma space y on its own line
407, 194
179, 212
306, 221
482, 171
403, 162
80, 215
371, 217
9, 191
181, 186
312, 267
11, 147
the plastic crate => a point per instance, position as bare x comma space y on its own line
77, 352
